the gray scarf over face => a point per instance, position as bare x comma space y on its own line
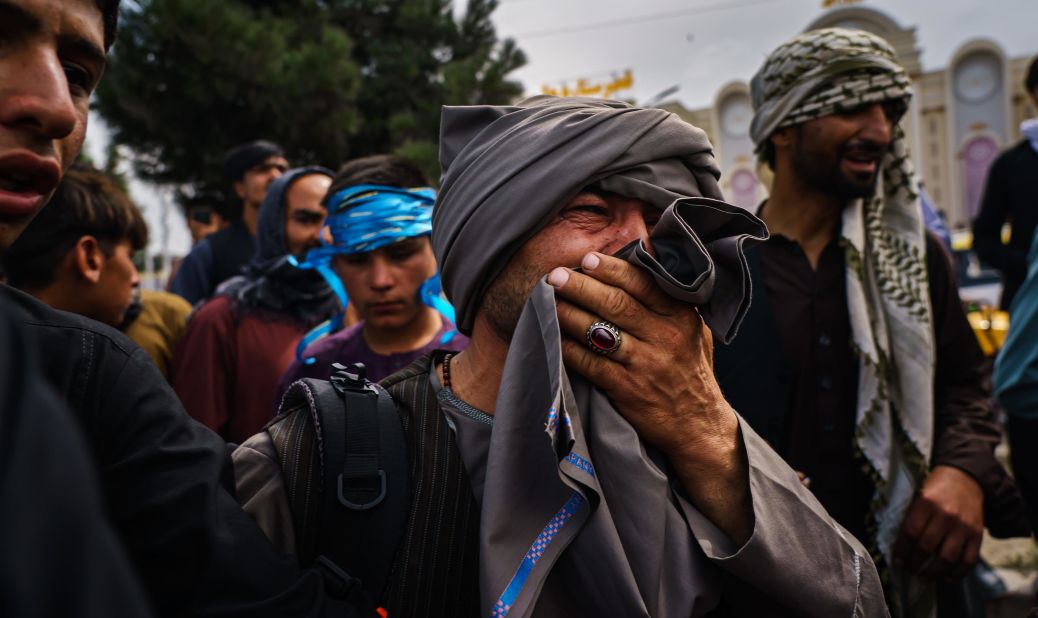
508, 171
578, 515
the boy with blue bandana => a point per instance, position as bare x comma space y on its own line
381, 264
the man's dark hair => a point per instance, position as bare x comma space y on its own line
217, 202
86, 202
110, 14
388, 170
1031, 80
244, 157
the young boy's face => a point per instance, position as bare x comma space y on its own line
383, 284
110, 297
51, 59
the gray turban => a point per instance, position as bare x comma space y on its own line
508, 171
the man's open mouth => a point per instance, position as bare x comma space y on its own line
862, 162
17, 183
25, 180
27, 173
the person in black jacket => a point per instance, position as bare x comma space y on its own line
59, 539
164, 478
1011, 195
250, 169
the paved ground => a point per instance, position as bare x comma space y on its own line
1016, 562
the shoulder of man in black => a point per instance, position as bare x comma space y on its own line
72, 348
234, 242
236, 230
1018, 159
166, 480
1022, 150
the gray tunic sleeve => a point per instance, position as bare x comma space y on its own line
261, 490
797, 555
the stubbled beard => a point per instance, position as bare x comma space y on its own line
821, 170
506, 297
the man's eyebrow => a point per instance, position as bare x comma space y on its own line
26, 22
80, 46
592, 191
12, 13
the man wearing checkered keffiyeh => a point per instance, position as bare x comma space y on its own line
861, 305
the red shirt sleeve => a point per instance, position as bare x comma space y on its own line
203, 367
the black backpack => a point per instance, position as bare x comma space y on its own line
344, 461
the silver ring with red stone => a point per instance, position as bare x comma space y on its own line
603, 337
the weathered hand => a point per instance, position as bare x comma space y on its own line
661, 379
943, 528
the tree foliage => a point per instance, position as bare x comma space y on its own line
327, 79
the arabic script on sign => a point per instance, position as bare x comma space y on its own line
588, 88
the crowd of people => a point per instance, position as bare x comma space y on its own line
566, 378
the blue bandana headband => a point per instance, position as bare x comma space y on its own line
365, 218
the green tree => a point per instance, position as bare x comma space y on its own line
191, 78
328, 79
415, 58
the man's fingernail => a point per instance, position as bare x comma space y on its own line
590, 262
558, 277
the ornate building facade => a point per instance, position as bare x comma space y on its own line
961, 117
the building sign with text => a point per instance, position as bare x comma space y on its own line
604, 88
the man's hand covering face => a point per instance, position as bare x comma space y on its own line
508, 171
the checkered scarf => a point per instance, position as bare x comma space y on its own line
825, 72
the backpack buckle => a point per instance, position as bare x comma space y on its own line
354, 489
352, 378
340, 583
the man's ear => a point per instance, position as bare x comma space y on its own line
782, 138
88, 260
239, 189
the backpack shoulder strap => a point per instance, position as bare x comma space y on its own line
364, 485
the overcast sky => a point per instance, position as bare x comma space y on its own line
700, 45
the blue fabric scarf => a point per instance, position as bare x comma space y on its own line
364, 218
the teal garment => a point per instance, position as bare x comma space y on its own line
1016, 369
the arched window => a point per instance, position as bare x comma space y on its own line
977, 156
